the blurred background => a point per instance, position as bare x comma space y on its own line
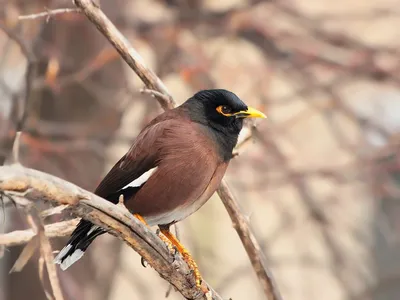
320, 181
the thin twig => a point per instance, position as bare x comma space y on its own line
49, 13
155, 94
127, 52
20, 237
46, 251
53, 211
41, 265
26, 254
22, 101
15, 150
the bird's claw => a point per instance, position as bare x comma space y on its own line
193, 267
171, 248
143, 262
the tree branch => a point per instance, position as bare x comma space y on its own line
152, 82
21, 103
20, 237
46, 251
49, 13
250, 243
128, 53
17, 181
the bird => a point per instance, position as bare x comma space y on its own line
173, 167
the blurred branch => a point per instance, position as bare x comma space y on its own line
20, 237
48, 13
15, 150
30, 73
152, 82
18, 182
307, 197
21, 103
250, 243
157, 94
128, 53
46, 251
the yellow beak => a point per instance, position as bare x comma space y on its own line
250, 113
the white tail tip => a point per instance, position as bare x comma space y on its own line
70, 259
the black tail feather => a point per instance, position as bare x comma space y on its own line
83, 235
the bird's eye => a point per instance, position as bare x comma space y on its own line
224, 110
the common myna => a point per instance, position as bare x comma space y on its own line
173, 167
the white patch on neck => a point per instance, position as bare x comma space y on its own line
142, 179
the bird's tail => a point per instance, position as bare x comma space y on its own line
83, 235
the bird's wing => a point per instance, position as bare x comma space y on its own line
140, 158
188, 173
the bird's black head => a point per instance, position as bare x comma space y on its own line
223, 112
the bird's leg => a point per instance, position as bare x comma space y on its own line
167, 235
169, 244
161, 236
141, 219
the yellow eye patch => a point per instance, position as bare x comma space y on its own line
224, 110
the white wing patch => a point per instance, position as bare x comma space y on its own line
142, 179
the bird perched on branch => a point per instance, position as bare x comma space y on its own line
173, 167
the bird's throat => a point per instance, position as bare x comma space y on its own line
225, 142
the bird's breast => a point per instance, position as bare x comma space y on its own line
191, 205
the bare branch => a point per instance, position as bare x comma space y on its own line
49, 13
53, 211
15, 150
17, 181
128, 53
41, 265
156, 95
46, 252
26, 254
250, 243
22, 101
20, 237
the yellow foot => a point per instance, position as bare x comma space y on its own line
193, 266
169, 244
171, 240
141, 219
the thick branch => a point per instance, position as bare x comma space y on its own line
33, 185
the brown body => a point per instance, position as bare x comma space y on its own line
189, 169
